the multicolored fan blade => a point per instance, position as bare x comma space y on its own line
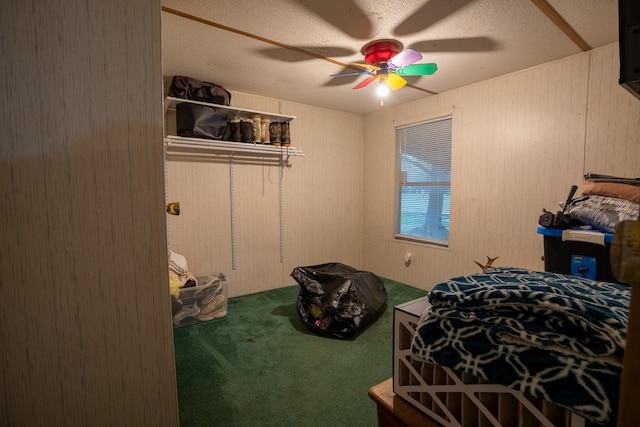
394, 81
417, 70
365, 82
404, 58
355, 73
367, 66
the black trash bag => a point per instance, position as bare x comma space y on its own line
336, 300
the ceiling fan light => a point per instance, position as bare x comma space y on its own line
382, 90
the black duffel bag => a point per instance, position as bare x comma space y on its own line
197, 90
201, 121
336, 300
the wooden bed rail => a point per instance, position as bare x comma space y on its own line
625, 265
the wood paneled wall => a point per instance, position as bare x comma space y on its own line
85, 325
322, 198
519, 142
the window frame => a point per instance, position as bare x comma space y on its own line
401, 177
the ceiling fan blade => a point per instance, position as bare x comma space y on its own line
417, 70
367, 66
404, 58
394, 81
355, 73
365, 82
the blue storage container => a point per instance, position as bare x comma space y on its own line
578, 253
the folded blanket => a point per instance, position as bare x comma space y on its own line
602, 212
540, 309
557, 337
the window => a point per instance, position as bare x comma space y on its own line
424, 182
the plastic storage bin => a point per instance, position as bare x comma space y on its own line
578, 253
201, 303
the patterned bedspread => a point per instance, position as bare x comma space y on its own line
560, 338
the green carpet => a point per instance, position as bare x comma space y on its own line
260, 366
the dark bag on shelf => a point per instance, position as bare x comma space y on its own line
336, 300
189, 88
201, 121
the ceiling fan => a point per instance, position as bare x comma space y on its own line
386, 61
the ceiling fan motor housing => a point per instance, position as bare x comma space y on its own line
380, 51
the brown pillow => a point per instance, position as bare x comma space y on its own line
612, 189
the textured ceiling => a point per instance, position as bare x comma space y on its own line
273, 48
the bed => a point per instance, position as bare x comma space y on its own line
511, 346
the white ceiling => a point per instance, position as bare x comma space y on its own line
245, 45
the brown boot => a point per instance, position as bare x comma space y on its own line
234, 124
274, 133
246, 130
285, 134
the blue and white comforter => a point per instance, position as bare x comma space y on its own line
560, 338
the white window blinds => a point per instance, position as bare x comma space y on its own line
424, 181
